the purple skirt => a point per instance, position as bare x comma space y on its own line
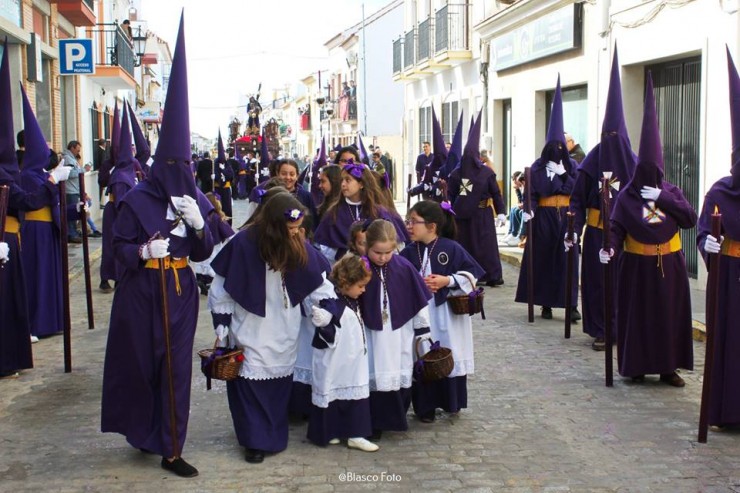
449, 394
342, 419
300, 400
388, 409
259, 409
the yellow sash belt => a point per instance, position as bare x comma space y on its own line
554, 201
43, 215
593, 218
169, 263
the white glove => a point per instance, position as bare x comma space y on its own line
156, 249
650, 193
4, 252
604, 256
191, 212
82, 206
570, 242
557, 168
213, 177
500, 220
526, 216
711, 245
320, 317
221, 332
60, 173
222, 166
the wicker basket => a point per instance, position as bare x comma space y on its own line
220, 363
467, 304
434, 365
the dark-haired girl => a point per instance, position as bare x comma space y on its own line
287, 170
447, 270
262, 276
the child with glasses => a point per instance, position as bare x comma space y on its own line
448, 270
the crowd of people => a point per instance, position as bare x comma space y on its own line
331, 296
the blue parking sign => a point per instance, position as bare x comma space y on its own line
76, 56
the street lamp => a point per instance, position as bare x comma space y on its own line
139, 46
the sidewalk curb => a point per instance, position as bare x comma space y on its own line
698, 329
78, 271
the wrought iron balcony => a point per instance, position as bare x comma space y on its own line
424, 40
408, 49
451, 31
114, 55
397, 55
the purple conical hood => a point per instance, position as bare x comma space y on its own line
125, 157
614, 114
649, 170
471, 153
734, 119
455, 153
143, 153
8, 161
264, 153
221, 158
556, 128
614, 151
321, 160
36, 157
115, 135
171, 171
361, 149
439, 147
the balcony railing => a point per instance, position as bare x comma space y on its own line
117, 47
424, 39
408, 49
397, 55
451, 28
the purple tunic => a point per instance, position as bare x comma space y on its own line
470, 189
135, 380
654, 305
549, 228
724, 403
109, 267
15, 342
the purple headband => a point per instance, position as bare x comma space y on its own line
367, 263
354, 169
447, 207
293, 214
261, 192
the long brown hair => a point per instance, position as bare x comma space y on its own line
333, 173
369, 195
271, 184
282, 252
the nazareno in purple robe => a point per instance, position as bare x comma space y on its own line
42, 263
15, 342
549, 227
135, 383
653, 301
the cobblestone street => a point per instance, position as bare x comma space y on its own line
539, 420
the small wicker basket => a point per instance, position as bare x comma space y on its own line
436, 364
467, 304
220, 363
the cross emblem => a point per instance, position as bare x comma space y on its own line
652, 214
466, 187
612, 182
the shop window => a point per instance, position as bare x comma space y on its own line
575, 113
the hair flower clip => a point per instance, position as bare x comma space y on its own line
293, 214
447, 207
354, 169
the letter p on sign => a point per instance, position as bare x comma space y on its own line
75, 52
76, 56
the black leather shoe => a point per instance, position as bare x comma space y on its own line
427, 418
575, 315
179, 467
105, 287
638, 379
96, 234
546, 312
75, 239
254, 456
673, 380
497, 282
598, 344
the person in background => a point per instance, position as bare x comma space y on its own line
512, 238
71, 159
574, 149
423, 160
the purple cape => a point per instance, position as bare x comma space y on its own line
447, 258
407, 294
243, 270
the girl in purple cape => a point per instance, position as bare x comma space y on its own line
448, 270
263, 276
362, 199
396, 312
341, 392
330, 183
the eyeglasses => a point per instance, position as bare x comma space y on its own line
344, 161
411, 222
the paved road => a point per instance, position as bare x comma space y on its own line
539, 420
